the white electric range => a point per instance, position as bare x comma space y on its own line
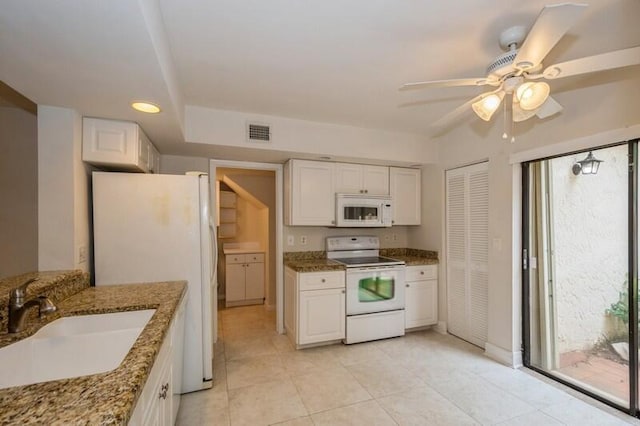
375, 288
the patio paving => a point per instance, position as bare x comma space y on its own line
603, 374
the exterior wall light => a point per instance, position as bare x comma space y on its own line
588, 166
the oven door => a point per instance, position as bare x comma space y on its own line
375, 289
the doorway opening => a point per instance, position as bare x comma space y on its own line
248, 218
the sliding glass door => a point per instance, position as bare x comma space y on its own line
579, 251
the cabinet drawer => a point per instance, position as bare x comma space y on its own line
235, 258
254, 257
321, 280
421, 272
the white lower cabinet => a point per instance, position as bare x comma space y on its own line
160, 398
314, 306
244, 279
421, 296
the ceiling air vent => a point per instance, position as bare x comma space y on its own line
258, 132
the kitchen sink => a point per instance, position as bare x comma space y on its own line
72, 347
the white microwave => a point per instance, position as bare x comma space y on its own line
355, 210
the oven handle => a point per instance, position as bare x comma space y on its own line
376, 269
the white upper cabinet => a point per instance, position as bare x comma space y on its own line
120, 145
404, 185
309, 193
362, 179
311, 187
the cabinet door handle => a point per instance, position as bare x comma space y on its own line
163, 393
421, 272
407, 285
366, 191
323, 280
342, 292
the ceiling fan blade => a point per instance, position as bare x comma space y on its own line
604, 61
450, 83
451, 116
548, 108
552, 23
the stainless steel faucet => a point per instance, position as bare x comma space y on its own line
18, 307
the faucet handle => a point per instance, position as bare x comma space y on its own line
21, 291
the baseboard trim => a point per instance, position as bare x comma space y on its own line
441, 327
503, 356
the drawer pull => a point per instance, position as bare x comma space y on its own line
323, 280
342, 292
421, 272
407, 285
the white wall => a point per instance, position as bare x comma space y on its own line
179, 165
63, 190
18, 192
599, 108
291, 137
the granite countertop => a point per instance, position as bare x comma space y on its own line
412, 257
316, 261
314, 265
100, 399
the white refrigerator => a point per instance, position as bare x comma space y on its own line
148, 228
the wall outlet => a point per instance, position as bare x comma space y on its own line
290, 240
303, 240
82, 254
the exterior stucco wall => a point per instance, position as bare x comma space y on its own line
589, 214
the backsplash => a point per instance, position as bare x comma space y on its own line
56, 285
393, 237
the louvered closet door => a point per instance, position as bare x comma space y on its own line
467, 229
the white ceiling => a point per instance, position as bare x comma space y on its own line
328, 61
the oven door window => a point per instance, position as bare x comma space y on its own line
360, 213
376, 289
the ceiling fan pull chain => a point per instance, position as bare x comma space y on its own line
513, 137
504, 123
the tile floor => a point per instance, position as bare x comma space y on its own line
423, 378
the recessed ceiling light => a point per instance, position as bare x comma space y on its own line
145, 107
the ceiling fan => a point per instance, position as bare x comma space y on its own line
517, 75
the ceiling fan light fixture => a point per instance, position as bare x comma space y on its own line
487, 106
520, 114
532, 95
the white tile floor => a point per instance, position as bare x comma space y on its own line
423, 378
